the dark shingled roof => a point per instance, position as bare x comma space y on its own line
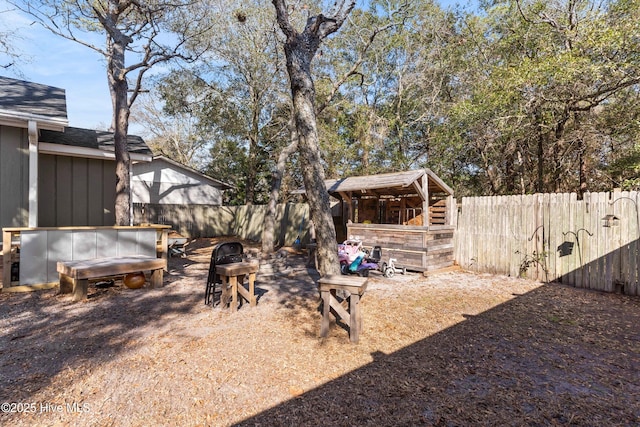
32, 98
49, 102
97, 139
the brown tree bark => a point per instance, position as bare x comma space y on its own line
119, 96
254, 137
300, 48
540, 154
268, 231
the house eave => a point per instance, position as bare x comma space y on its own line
21, 120
92, 153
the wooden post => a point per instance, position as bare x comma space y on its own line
33, 173
233, 285
6, 258
425, 202
155, 281
164, 242
326, 308
224, 294
451, 212
66, 284
80, 289
347, 205
355, 317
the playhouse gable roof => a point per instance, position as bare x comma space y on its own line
394, 183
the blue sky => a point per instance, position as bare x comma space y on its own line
54, 61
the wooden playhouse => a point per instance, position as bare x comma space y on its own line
409, 214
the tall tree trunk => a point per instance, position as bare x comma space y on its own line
268, 230
119, 97
582, 159
300, 48
254, 139
523, 188
313, 173
251, 172
558, 149
540, 154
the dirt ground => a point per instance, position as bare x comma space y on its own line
452, 349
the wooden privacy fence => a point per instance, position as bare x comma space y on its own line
590, 243
245, 222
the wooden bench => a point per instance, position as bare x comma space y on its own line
355, 286
75, 275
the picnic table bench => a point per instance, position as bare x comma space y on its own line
355, 287
75, 275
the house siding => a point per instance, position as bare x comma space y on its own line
160, 183
14, 177
75, 191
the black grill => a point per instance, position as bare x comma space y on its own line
223, 253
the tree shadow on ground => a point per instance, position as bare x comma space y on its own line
554, 356
45, 333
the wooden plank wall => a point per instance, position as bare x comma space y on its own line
439, 247
553, 237
414, 247
438, 213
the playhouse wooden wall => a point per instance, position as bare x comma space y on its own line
416, 248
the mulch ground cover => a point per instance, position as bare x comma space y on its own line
451, 349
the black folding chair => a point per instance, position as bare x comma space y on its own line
223, 253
